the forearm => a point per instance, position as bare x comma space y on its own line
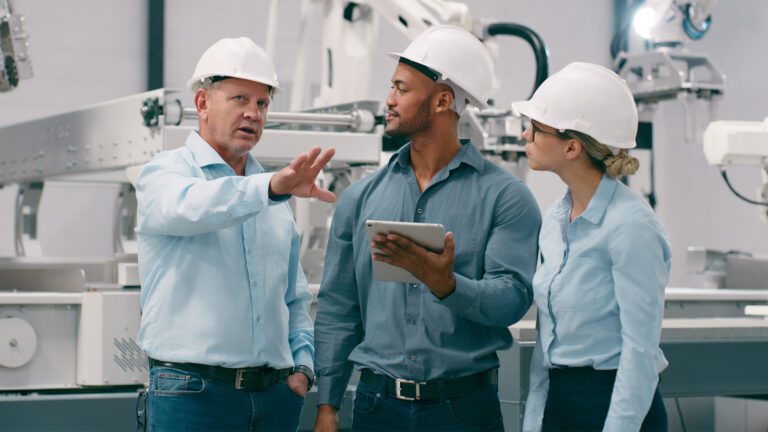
169, 205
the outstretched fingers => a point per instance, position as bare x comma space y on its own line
323, 158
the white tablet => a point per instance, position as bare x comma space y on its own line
429, 236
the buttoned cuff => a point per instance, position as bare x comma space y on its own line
330, 391
613, 424
464, 297
304, 357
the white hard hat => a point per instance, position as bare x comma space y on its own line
235, 58
587, 98
458, 56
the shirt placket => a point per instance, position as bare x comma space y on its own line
413, 307
564, 229
254, 285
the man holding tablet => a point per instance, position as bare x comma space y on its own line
427, 349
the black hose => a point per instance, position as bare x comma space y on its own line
728, 183
540, 51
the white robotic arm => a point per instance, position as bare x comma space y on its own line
351, 29
740, 143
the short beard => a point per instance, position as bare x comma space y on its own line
419, 123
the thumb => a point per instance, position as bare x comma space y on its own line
450, 244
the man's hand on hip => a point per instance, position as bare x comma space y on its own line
299, 177
326, 420
434, 269
299, 383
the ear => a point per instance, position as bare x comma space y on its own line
444, 101
202, 103
573, 149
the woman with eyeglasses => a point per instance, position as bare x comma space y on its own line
605, 263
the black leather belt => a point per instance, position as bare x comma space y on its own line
253, 379
415, 390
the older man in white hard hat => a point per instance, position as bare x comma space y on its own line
427, 350
225, 305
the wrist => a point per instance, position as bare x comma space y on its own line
307, 372
445, 287
325, 409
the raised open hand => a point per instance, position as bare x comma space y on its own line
299, 177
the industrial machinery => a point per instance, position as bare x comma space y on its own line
68, 280
14, 59
667, 69
735, 143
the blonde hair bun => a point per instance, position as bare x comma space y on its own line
621, 164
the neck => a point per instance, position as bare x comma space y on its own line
432, 151
236, 162
583, 183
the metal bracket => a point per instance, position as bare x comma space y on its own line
658, 75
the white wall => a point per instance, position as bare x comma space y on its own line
83, 52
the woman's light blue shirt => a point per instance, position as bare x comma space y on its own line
600, 300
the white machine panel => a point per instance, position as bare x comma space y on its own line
107, 351
53, 318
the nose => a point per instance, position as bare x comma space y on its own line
528, 135
391, 99
253, 114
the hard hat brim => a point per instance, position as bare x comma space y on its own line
275, 85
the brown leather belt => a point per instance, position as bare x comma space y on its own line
253, 379
415, 390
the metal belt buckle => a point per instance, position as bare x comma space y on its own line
398, 389
239, 379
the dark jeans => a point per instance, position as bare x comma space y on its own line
579, 399
375, 410
181, 400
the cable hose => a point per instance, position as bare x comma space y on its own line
751, 201
540, 51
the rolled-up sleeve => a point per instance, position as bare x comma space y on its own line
301, 335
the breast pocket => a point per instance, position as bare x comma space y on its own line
585, 283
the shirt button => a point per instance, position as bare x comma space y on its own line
413, 285
413, 357
412, 321
419, 211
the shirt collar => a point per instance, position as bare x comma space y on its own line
468, 154
597, 205
599, 202
205, 155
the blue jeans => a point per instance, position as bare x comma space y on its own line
181, 400
374, 410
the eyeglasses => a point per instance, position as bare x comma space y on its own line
536, 128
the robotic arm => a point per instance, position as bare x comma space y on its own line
351, 28
667, 69
14, 60
742, 143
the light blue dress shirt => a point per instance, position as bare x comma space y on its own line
600, 300
219, 264
403, 330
